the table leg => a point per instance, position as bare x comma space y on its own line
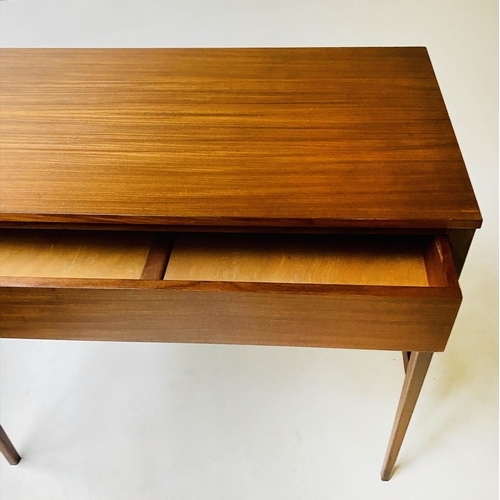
415, 375
406, 359
8, 449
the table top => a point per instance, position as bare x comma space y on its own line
288, 137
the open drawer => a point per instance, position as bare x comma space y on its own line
362, 291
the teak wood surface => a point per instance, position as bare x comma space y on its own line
410, 318
416, 370
289, 137
336, 316
304, 140
359, 291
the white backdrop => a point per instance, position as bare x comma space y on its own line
169, 421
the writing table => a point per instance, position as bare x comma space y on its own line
294, 197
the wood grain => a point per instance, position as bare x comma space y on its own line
368, 260
344, 316
439, 264
415, 376
349, 316
73, 254
300, 314
306, 137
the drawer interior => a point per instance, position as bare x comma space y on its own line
321, 259
73, 254
365, 292
379, 260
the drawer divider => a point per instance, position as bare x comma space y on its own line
158, 256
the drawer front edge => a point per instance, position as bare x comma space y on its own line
405, 323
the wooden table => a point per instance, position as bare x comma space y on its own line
299, 197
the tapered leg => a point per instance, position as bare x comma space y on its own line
8, 449
415, 375
406, 359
